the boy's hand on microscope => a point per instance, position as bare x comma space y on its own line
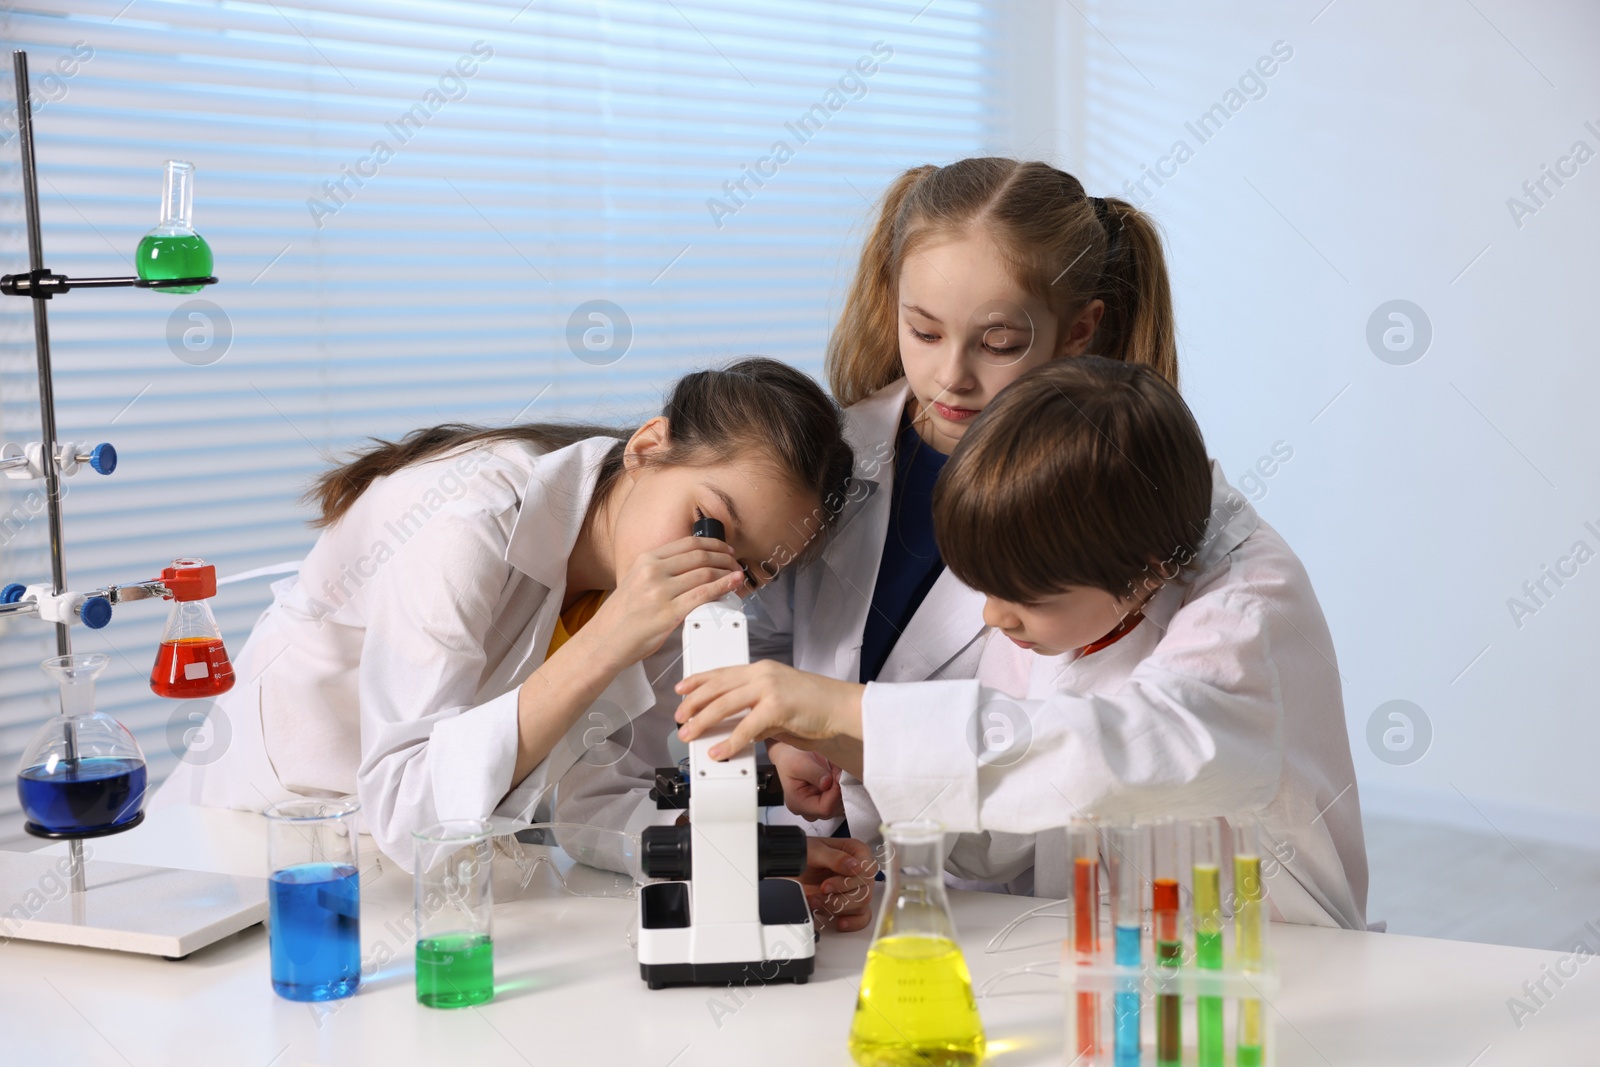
838, 882
810, 783
656, 594
792, 705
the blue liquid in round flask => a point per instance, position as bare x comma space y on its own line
83, 773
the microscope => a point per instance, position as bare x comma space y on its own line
727, 910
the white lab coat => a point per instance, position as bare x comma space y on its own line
831, 596
389, 667
1224, 699
815, 617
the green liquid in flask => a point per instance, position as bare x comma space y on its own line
916, 1007
455, 971
164, 256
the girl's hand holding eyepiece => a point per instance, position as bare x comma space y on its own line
657, 594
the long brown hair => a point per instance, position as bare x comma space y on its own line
1086, 472
754, 407
1065, 247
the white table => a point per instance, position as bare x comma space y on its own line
569, 991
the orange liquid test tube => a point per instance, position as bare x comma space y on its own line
1084, 844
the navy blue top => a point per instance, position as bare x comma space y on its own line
911, 562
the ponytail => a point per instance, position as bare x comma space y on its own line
864, 351
1138, 324
755, 407
1066, 248
335, 491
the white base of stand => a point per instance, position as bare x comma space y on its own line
128, 907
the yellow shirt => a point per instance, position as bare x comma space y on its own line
571, 621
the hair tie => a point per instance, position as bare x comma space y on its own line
1111, 224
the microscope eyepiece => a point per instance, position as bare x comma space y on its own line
709, 527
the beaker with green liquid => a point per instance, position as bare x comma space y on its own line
915, 1005
173, 249
454, 894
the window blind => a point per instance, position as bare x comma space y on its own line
414, 208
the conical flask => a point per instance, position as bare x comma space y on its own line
83, 773
173, 249
191, 661
916, 1005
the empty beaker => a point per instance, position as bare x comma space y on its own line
915, 1004
173, 249
83, 774
454, 894
191, 661
314, 906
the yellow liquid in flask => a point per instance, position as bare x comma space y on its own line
915, 1007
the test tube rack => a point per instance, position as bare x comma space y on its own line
1098, 991
130, 907
1103, 980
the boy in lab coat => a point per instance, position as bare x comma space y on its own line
1155, 649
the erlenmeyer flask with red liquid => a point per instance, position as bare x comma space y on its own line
191, 661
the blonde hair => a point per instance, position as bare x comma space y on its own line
1065, 247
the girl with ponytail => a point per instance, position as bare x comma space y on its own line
974, 274
1152, 647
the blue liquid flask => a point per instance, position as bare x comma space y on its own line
83, 774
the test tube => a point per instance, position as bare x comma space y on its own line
1083, 845
1168, 936
1247, 919
1205, 836
1128, 866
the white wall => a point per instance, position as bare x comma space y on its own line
1376, 166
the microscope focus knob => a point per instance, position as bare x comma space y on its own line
665, 852
780, 851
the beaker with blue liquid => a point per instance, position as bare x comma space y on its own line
314, 902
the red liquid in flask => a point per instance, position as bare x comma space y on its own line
191, 667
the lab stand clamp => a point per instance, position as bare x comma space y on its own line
83, 774
728, 911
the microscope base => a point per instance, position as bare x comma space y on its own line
756, 972
673, 952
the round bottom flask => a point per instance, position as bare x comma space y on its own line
83, 774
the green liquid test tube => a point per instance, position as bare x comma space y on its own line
1247, 920
1207, 846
